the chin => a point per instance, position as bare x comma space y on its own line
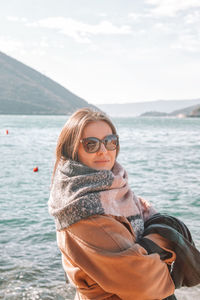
104, 166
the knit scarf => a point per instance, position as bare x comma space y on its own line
79, 192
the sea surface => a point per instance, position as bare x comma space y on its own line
161, 155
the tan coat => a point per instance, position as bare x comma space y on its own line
103, 261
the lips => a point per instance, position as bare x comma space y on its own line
101, 161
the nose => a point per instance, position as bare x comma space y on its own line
102, 148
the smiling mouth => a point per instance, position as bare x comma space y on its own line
101, 161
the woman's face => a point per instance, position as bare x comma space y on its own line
102, 159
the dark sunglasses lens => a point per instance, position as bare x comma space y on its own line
91, 145
111, 142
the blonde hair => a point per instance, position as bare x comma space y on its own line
69, 138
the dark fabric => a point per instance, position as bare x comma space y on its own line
186, 268
172, 297
154, 248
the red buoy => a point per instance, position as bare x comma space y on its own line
35, 169
6, 131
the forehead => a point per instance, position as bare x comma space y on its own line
97, 129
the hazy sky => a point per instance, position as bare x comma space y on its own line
108, 50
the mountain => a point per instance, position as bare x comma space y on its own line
136, 109
190, 111
195, 113
154, 114
187, 111
23, 90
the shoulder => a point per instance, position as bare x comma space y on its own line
99, 231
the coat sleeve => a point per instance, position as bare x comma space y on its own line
102, 250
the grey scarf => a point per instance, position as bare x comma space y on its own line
79, 192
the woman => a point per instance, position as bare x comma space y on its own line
99, 219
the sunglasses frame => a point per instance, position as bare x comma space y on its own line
100, 142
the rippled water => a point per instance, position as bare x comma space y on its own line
162, 157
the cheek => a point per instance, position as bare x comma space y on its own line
113, 156
84, 157
81, 154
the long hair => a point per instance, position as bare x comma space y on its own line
69, 138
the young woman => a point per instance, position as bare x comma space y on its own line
99, 219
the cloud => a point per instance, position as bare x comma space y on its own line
12, 19
193, 17
171, 7
187, 42
12, 45
81, 32
165, 28
16, 19
8, 44
137, 17
103, 15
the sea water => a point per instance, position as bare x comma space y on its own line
161, 155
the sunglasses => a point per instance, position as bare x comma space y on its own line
93, 144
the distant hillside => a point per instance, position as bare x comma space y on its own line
195, 113
154, 114
136, 109
191, 111
23, 90
185, 111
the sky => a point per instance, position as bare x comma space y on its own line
108, 51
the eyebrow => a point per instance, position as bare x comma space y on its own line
92, 136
